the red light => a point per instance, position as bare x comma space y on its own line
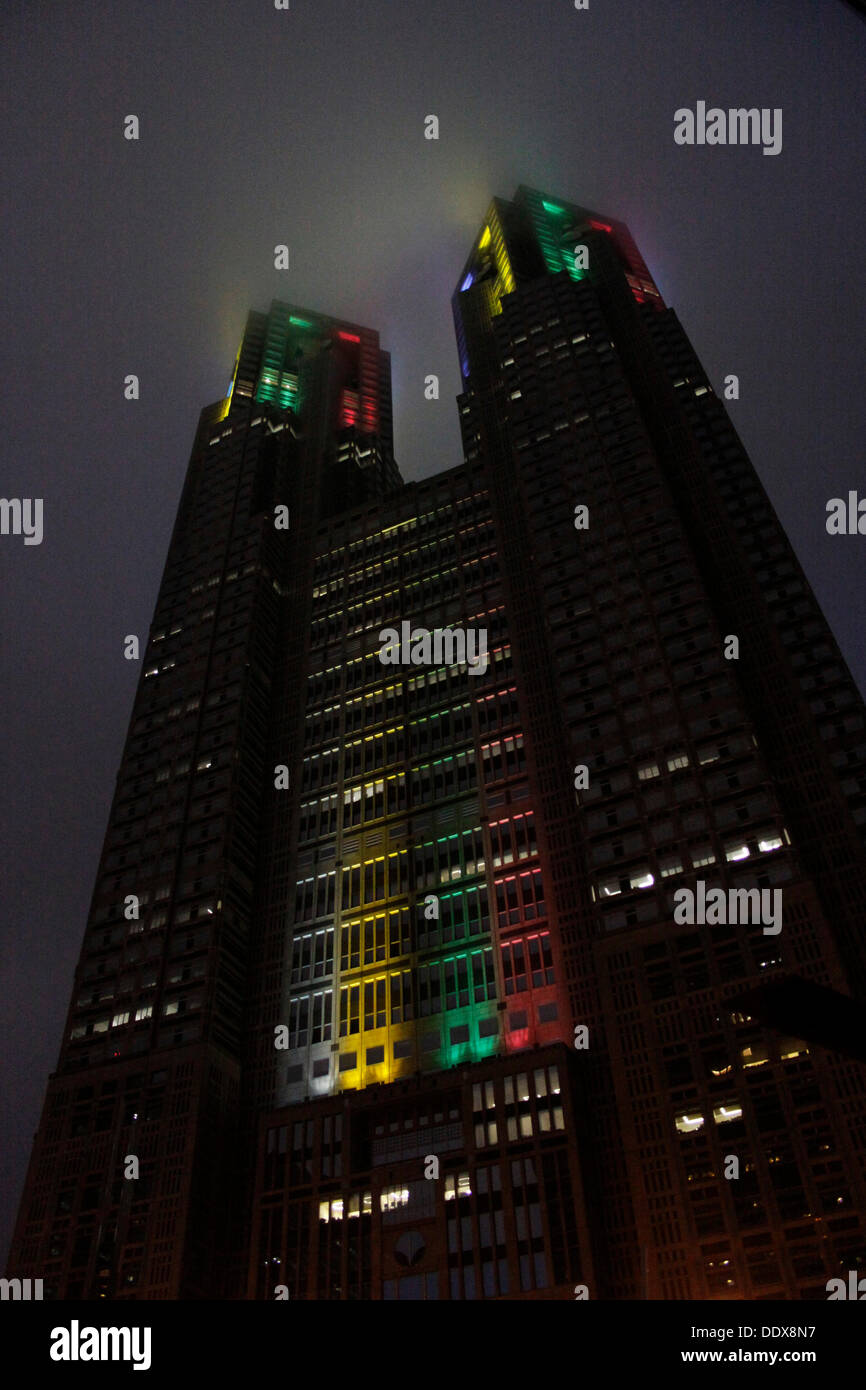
348, 337
600, 226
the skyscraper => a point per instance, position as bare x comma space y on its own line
455, 824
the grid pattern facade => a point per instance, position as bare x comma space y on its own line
344, 1209
354, 915
586, 393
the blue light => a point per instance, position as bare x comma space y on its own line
467, 282
231, 388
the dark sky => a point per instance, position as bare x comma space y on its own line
306, 127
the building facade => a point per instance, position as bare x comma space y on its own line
399, 979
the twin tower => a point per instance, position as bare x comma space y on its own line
383, 983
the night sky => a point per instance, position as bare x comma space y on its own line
261, 126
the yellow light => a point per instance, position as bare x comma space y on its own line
388, 529
224, 408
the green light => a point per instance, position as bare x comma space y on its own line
300, 323
552, 207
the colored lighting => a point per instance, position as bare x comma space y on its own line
300, 323
552, 207
485, 237
467, 282
227, 400
348, 337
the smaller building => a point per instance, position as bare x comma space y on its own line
461, 1184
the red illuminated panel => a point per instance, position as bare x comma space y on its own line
517, 1039
370, 384
348, 409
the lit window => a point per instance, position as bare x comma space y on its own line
645, 773
736, 852
687, 1124
754, 1056
391, 1198
723, 1114
772, 842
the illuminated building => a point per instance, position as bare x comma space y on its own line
151, 1060
386, 901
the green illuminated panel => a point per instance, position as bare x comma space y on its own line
556, 257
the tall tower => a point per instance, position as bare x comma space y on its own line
709, 763
462, 832
150, 1066
674, 725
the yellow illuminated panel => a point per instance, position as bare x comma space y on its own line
224, 408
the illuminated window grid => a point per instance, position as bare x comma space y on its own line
460, 714
445, 776
522, 1105
489, 704
369, 801
512, 839
373, 752
550, 228
505, 282
375, 879
452, 994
